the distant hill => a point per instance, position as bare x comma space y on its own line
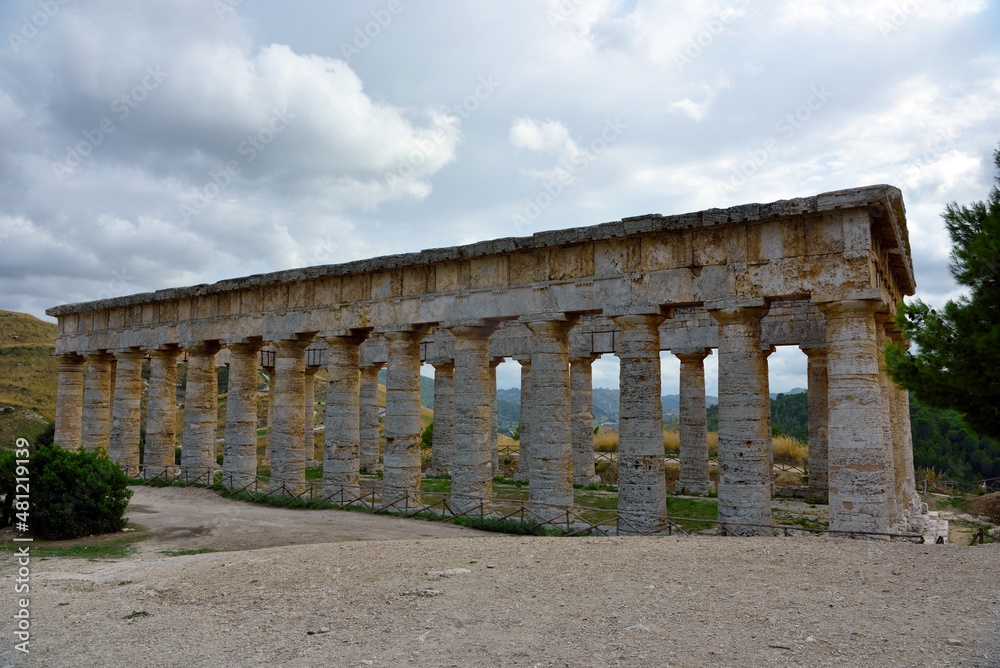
605, 406
28, 376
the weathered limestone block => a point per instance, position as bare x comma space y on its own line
369, 419
442, 444
582, 411
471, 465
342, 437
123, 441
288, 457
694, 473
524, 430
69, 401
96, 402
642, 485
819, 466
494, 445
860, 477
161, 410
745, 475
239, 461
201, 419
401, 459
551, 456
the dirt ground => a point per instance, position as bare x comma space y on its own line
309, 588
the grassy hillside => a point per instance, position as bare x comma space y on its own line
28, 376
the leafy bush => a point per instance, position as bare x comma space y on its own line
74, 493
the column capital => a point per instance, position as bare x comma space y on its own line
638, 310
688, 355
352, 335
128, 353
582, 360
244, 346
731, 311
495, 362
69, 359
846, 308
292, 345
813, 349
165, 351
411, 333
98, 356
443, 364
209, 347
477, 330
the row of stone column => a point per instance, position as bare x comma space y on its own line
867, 455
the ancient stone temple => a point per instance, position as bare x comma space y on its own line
823, 273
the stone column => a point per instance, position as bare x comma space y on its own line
239, 461
271, 382
494, 424
818, 489
161, 410
472, 462
694, 474
860, 477
768, 351
524, 429
892, 453
123, 441
551, 456
369, 418
309, 394
288, 457
901, 422
441, 446
342, 437
581, 399
401, 459
745, 475
201, 411
642, 485
69, 401
96, 425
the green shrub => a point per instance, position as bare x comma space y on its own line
74, 493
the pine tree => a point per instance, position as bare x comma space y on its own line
956, 363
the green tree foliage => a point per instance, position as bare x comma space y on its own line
73, 493
941, 441
958, 349
427, 436
790, 415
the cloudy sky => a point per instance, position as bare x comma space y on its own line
161, 143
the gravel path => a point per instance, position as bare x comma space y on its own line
488, 600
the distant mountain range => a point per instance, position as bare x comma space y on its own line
605, 407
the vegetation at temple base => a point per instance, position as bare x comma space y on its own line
958, 348
73, 493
